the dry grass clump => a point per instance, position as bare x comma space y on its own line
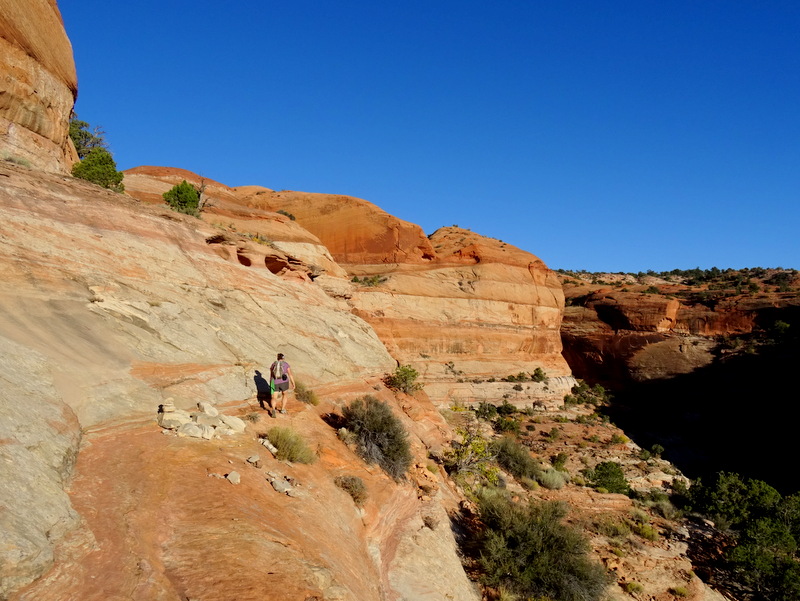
290, 445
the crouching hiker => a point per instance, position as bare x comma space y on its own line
281, 383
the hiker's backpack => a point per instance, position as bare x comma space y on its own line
277, 371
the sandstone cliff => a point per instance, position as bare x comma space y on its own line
39, 85
452, 304
110, 307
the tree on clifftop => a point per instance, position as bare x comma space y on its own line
83, 139
99, 168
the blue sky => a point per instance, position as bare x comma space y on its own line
603, 135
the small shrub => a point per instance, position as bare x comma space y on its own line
517, 387
530, 551
611, 525
286, 213
645, 455
369, 281
506, 409
679, 591
657, 450
471, 455
608, 475
560, 460
403, 379
646, 531
305, 394
353, 486
507, 425
632, 588
552, 479
515, 458
290, 445
252, 417
381, 437
539, 375
619, 439
183, 198
486, 411
99, 168
16, 160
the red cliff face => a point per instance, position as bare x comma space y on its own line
615, 336
39, 85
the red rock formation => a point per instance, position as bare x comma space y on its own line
613, 336
354, 230
39, 85
250, 236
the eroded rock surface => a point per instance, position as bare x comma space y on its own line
39, 85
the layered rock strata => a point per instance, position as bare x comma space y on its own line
456, 305
109, 307
39, 85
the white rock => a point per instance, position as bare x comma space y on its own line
190, 429
234, 478
204, 419
224, 431
207, 431
234, 423
208, 408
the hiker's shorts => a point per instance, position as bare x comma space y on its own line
282, 386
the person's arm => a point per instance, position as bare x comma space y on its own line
291, 377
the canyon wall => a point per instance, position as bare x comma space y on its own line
39, 85
455, 305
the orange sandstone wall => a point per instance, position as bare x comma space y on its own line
38, 85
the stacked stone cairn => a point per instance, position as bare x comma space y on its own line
205, 423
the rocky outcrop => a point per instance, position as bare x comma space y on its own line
614, 336
455, 306
109, 307
355, 231
251, 236
39, 85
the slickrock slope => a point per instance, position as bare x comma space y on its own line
39, 85
283, 243
109, 307
456, 306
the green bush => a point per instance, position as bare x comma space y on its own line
609, 476
507, 425
471, 455
582, 394
99, 168
539, 375
183, 198
632, 587
403, 379
486, 411
290, 445
515, 458
353, 486
552, 479
529, 550
305, 395
380, 437
286, 214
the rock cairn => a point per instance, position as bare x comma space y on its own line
206, 423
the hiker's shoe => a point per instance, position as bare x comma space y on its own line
283, 410
272, 413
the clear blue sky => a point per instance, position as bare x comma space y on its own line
597, 134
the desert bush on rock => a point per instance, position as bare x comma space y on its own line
353, 486
471, 454
183, 198
290, 445
609, 476
403, 379
530, 551
305, 395
516, 459
380, 437
99, 168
